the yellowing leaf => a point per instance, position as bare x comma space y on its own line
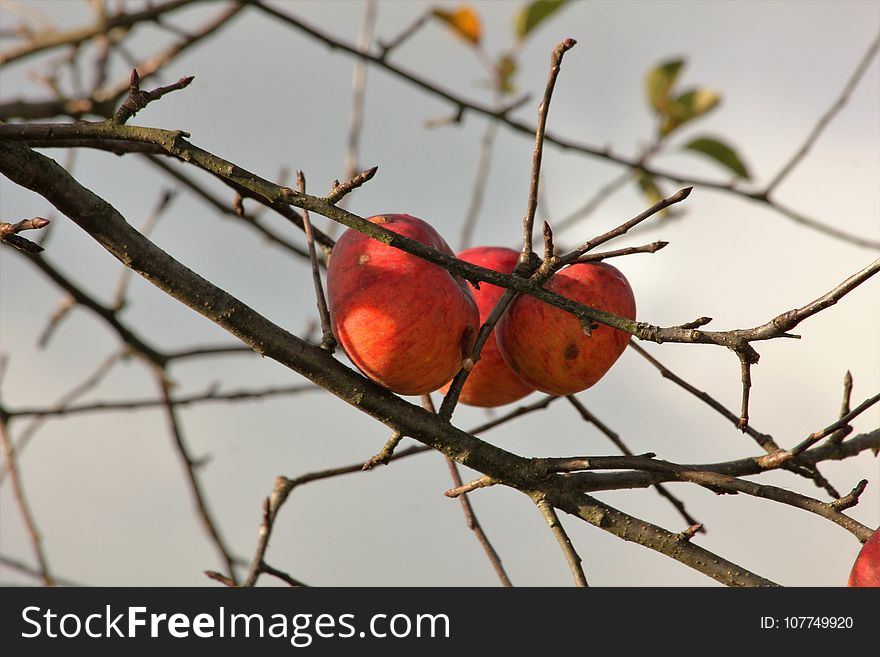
464, 22
659, 83
688, 106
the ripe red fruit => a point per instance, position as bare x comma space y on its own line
547, 347
404, 322
491, 382
866, 569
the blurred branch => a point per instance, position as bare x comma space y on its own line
182, 400
190, 465
827, 117
15, 564
23, 506
49, 39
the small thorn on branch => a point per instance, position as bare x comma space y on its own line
850, 499
549, 247
385, 454
220, 577
339, 190
653, 247
843, 432
690, 532
482, 482
8, 233
697, 323
139, 99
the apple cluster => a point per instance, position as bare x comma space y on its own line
409, 324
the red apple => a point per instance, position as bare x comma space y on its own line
491, 382
404, 322
866, 569
547, 347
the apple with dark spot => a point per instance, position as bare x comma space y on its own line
548, 347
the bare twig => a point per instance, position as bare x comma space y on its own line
478, 189
138, 99
843, 432
26, 513
384, 455
8, 233
543, 109
614, 437
341, 189
55, 38
653, 247
571, 556
827, 117
30, 571
182, 400
190, 465
783, 455
469, 515
328, 342
358, 93
474, 525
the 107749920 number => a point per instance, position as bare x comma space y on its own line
817, 622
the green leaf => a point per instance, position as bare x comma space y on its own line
534, 13
687, 106
649, 186
659, 83
721, 153
506, 69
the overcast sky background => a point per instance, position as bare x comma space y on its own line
107, 490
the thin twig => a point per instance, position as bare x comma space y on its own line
614, 437
571, 556
190, 465
92, 380
8, 234
784, 455
474, 525
543, 110
23, 506
469, 515
384, 455
59, 410
358, 95
653, 247
328, 342
21, 567
478, 189
843, 432
827, 117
